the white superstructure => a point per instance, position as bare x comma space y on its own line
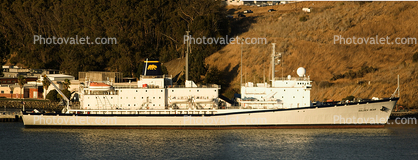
151, 93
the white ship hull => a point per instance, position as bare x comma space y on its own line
364, 114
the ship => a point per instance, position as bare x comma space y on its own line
154, 102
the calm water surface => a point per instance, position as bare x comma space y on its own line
391, 142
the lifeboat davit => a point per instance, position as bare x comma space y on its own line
94, 86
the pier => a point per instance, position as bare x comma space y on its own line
10, 116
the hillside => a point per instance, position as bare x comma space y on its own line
310, 44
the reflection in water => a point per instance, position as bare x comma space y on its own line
209, 144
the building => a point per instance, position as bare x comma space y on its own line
14, 80
14, 91
232, 2
98, 76
15, 71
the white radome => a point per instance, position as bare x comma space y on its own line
301, 71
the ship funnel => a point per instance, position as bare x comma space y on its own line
152, 67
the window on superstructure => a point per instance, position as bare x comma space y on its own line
159, 97
172, 90
282, 96
293, 96
120, 97
134, 105
136, 90
111, 97
129, 105
88, 104
146, 91
161, 90
284, 90
153, 97
197, 90
134, 97
142, 97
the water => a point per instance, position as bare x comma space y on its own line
391, 142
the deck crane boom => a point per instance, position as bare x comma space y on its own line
59, 91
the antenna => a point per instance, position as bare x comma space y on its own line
399, 89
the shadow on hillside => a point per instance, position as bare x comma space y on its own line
228, 75
241, 24
230, 11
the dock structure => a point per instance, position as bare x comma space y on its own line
10, 116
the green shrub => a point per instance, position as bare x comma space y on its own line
415, 57
350, 98
324, 84
303, 19
66, 92
52, 96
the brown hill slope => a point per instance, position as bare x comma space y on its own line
310, 44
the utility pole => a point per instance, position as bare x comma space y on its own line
187, 56
399, 89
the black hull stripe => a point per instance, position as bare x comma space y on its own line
322, 126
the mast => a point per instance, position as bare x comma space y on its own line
187, 56
272, 63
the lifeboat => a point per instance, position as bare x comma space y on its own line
94, 86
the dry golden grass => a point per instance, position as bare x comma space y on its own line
310, 44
